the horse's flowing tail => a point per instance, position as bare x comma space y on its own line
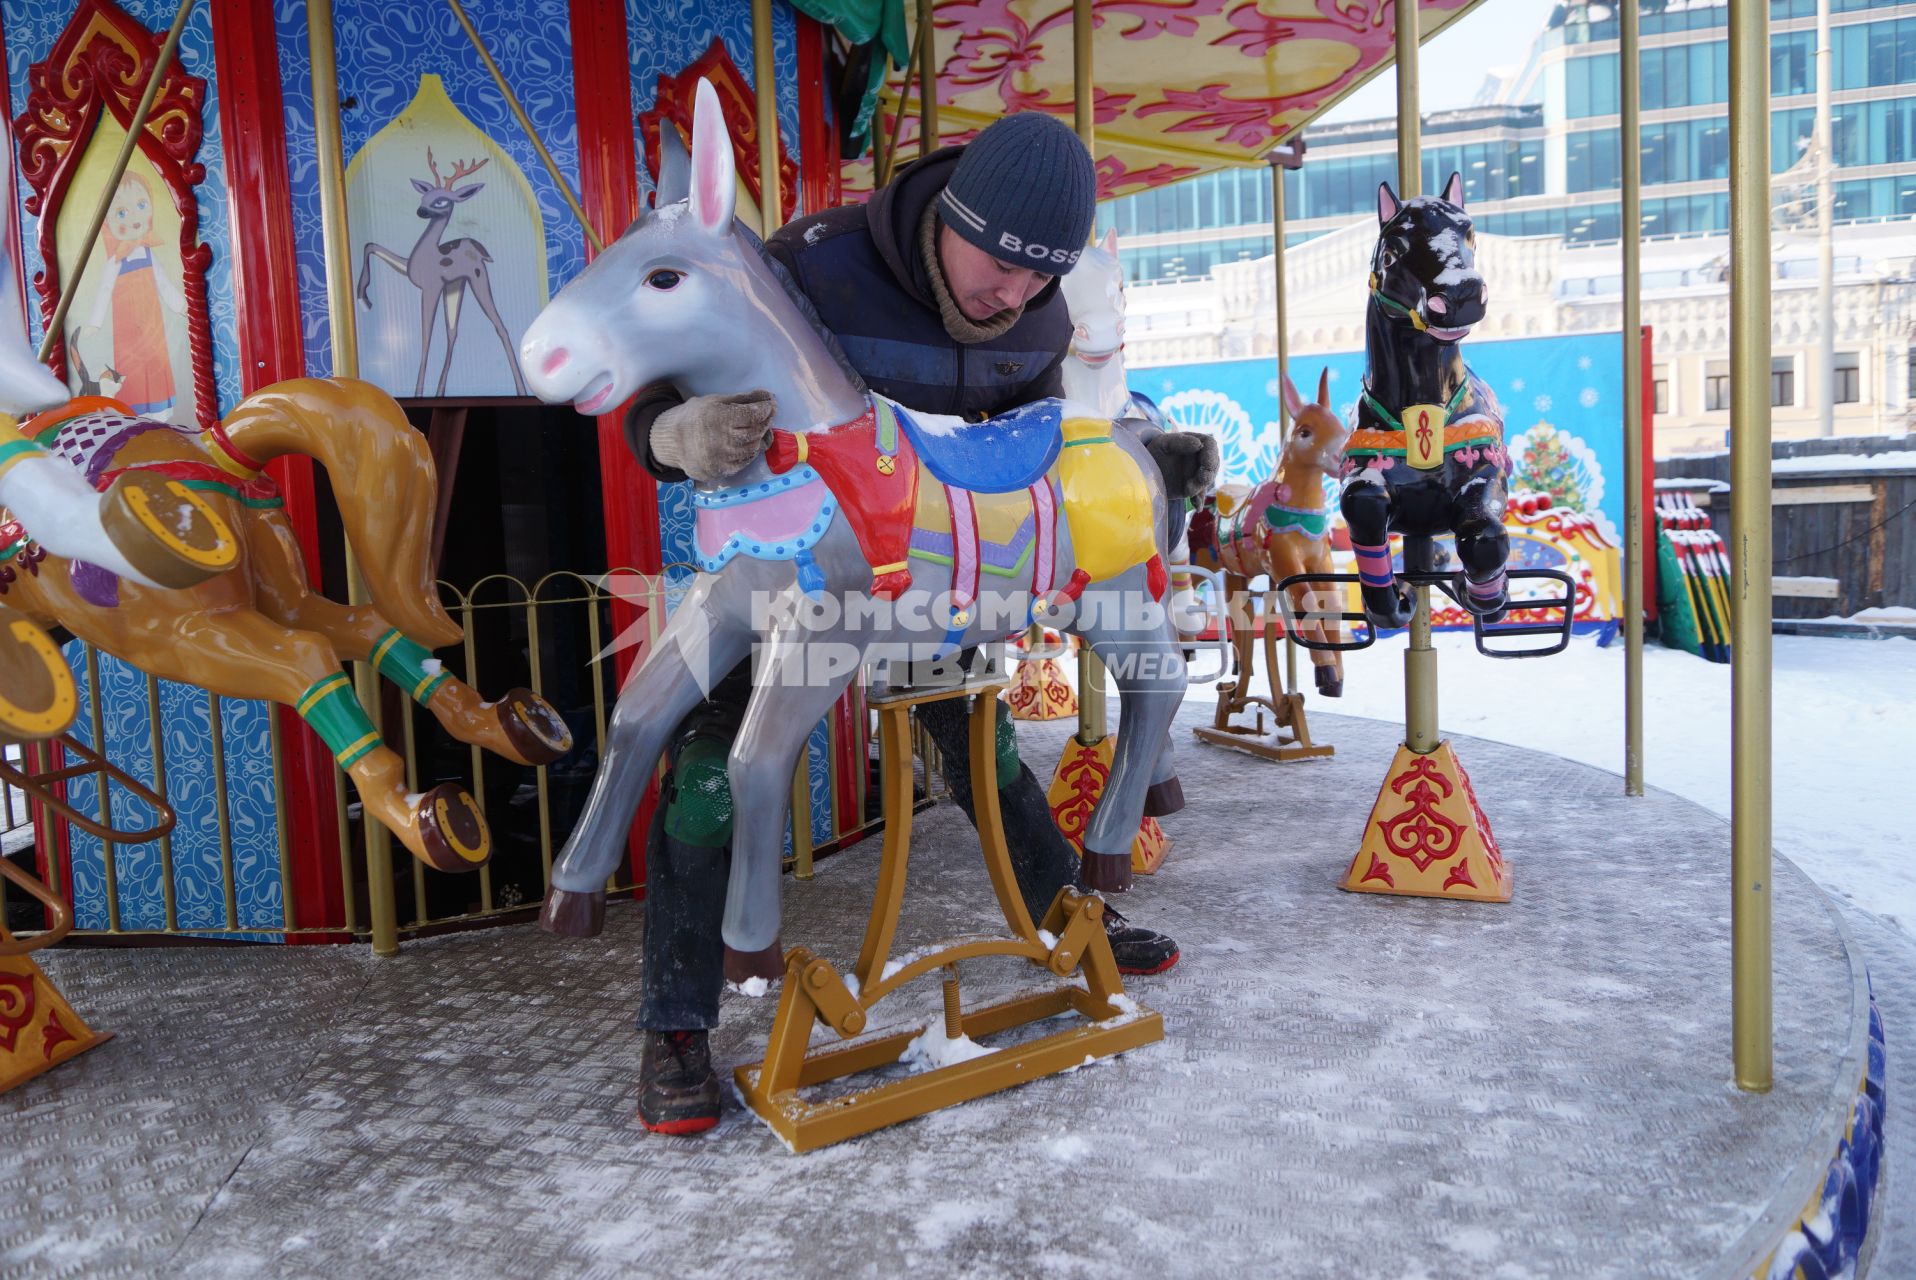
382, 476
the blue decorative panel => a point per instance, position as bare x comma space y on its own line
199, 876
31, 27
383, 49
302, 171
1562, 399
818, 761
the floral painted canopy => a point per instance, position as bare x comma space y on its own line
1182, 86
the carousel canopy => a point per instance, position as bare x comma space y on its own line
1181, 86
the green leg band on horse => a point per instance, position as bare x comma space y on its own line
333, 711
698, 810
1008, 762
410, 665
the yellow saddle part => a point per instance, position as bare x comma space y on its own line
1106, 502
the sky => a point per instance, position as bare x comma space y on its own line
1497, 33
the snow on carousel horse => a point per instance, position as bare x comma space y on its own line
1427, 452
182, 505
911, 534
1281, 528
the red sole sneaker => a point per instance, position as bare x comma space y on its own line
681, 1128
1146, 973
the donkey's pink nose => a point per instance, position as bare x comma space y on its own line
1437, 304
555, 361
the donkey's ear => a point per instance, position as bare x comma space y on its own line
1387, 203
1324, 389
714, 180
675, 166
1292, 401
1454, 190
1110, 242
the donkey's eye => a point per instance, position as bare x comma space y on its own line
664, 279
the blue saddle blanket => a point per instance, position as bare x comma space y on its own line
999, 455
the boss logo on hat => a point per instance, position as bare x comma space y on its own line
1038, 252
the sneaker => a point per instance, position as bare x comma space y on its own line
678, 1092
1138, 951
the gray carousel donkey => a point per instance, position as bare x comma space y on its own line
827, 525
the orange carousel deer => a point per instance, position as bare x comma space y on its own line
200, 503
1279, 528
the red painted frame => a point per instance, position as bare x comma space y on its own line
102, 62
266, 298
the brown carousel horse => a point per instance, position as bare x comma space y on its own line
259, 631
1281, 527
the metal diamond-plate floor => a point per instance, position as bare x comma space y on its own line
1351, 1085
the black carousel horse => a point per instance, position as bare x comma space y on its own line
1427, 455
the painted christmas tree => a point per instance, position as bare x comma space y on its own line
1547, 466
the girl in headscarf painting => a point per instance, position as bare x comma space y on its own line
136, 292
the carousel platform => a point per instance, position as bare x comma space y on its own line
1349, 1085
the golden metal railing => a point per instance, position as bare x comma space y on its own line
574, 609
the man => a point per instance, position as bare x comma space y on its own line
942, 294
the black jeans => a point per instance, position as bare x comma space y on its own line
685, 884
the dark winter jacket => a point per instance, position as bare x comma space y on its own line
861, 268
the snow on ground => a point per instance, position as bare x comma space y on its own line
1844, 737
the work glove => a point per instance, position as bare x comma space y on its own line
712, 437
1189, 461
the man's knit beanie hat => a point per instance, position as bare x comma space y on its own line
1025, 192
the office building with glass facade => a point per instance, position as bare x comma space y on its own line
1546, 161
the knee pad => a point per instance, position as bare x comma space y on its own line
698, 803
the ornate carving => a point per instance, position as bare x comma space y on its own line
101, 63
674, 103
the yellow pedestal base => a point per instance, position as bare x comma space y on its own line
1075, 787
1428, 836
38, 1028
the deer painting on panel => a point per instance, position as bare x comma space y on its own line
443, 272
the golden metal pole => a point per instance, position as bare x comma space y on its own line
1633, 459
1091, 697
525, 123
765, 89
1750, 854
1280, 316
1410, 160
120, 162
1081, 69
927, 81
344, 329
1420, 659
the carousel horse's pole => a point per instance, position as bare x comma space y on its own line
134, 129
765, 87
344, 328
928, 81
1629, 73
1280, 325
1091, 695
1420, 659
1750, 854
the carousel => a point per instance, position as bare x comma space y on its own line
344, 641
